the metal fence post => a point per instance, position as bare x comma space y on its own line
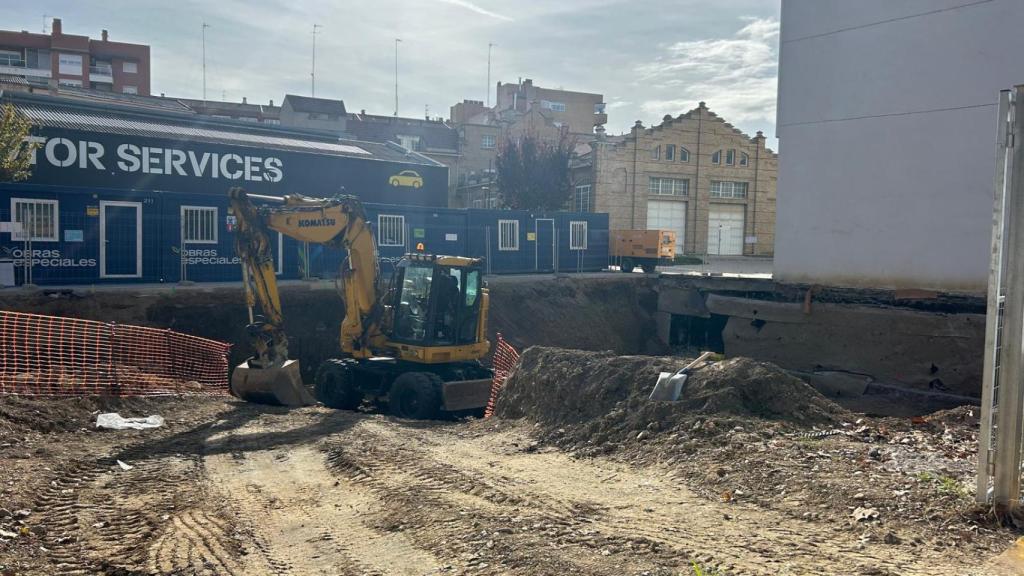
995, 300
1006, 488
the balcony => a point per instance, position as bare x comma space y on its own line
16, 66
101, 73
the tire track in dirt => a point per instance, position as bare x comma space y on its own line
536, 534
641, 513
650, 503
306, 520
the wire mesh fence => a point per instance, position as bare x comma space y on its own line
56, 356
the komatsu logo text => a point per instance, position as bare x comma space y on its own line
316, 222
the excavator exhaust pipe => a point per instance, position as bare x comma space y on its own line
276, 386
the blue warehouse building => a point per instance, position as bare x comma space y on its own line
123, 193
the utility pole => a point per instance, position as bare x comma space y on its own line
45, 22
397, 40
205, 26
489, 46
312, 74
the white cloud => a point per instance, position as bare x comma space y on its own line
736, 76
476, 8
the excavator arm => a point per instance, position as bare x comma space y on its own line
336, 222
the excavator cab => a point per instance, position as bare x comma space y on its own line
436, 302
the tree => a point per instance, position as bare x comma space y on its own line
15, 149
533, 174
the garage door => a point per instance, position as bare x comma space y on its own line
668, 215
725, 229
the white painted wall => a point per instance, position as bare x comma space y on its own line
887, 128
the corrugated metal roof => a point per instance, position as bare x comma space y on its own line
109, 118
117, 98
77, 120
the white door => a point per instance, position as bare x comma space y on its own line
668, 215
725, 229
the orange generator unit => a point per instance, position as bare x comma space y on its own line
644, 248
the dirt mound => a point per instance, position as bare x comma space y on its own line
38, 414
605, 396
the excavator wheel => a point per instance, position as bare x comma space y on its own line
416, 395
335, 386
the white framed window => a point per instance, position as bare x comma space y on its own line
668, 186
199, 224
726, 189
409, 142
40, 218
716, 157
553, 106
730, 157
744, 159
130, 67
684, 154
508, 235
656, 153
670, 152
126, 89
69, 82
582, 199
70, 64
578, 235
390, 230
488, 141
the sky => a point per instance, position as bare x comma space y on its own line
647, 57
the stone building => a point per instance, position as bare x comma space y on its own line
694, 173
577, 111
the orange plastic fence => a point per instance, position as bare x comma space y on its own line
505, 359
56, 356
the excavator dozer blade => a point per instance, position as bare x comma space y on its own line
278, 386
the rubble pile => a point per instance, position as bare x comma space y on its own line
599, 397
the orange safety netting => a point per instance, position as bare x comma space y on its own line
505, 359
52, 355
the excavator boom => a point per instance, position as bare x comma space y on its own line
269, 376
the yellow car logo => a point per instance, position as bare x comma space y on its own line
406, 178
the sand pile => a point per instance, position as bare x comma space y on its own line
605, 396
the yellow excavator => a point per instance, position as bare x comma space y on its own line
414, 341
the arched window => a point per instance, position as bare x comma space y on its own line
744, 159
716, 157
684, 154
670, 152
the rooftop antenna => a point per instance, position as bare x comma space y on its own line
397, 40
312, 74
489, 46
426, 111
205, 26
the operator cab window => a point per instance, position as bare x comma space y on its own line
414, 304
458, 292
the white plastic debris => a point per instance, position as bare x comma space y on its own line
125, 467
114, 421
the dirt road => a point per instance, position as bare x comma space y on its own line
315, 491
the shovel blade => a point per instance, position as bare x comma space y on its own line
276, 386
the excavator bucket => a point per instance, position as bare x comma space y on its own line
278, 386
